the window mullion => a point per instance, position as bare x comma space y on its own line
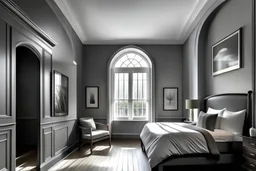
142, 82
137, 92
130, 89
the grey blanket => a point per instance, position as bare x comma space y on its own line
208, 137
162, 140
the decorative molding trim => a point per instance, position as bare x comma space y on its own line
8, 124
3, 140
56, 122
7, 133
54, 140
45, 133
196, 15
73, 22
23, 17
8, 69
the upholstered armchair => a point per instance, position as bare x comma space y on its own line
93, 132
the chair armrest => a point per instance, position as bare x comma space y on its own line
102, 126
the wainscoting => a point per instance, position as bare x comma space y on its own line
57, 140
6, 135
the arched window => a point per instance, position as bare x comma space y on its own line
130, 85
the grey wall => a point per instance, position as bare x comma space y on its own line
190, 76
197, 70
57, 134
231, 16
167, 60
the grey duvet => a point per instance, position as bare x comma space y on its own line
162, 140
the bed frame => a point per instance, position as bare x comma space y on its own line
232, 102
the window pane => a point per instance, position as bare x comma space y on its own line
121, 86
140, 86
121, 108
131, 55
145, 86
131, 60
139, 108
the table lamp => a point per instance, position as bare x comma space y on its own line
191, 104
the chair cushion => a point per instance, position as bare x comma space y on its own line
96, 134
88, 123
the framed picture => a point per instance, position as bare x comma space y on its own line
92, 97
226, 54
60, 92
170, 95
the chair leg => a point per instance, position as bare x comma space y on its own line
91, 147
109, 141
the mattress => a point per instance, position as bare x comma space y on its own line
226, 141
220, 135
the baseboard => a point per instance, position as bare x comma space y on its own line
125, 135
54, 160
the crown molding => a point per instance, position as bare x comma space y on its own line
73, 22
23, 18
196, 15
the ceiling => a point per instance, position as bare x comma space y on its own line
133, 21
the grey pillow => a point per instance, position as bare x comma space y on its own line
88, 123
207, 121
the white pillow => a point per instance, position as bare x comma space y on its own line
219, 112
233, 121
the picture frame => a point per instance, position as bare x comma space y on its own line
60, 94
170, 98
226, 54
92, 97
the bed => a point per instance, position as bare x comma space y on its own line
192, 155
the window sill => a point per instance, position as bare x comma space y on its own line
126, 120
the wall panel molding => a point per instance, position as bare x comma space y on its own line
5, 53
5, 148
60, 135
47, 144
47, 80
57, 122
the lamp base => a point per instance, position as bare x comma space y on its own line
252, 132
191, 117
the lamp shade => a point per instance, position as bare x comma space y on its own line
191, 104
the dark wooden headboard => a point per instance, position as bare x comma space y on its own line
233, 102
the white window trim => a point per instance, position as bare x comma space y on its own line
130, 117
113, 70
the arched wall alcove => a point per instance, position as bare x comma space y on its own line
27, 102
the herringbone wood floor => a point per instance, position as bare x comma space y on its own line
124, 155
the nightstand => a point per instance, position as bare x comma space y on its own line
249, 153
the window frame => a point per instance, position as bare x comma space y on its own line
111, 64
130, 72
